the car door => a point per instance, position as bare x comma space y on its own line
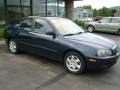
43, 43
102, 24
23, 36
114, 25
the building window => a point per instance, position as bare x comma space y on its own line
84, 15
61, 6
25, 6
39, 7
25, 2
49, 8
13, 14
2, 12
13, 2
16, 9
52, 9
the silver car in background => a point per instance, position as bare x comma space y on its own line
107, 24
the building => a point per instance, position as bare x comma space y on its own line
2, 11
82, 13
17, 9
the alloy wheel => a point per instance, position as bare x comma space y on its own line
13, 46
73, 63
90, 28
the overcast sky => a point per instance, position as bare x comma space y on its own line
98, 3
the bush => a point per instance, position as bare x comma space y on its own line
80, 23
1, 32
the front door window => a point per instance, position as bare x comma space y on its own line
42, 27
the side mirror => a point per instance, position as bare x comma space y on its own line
52, 34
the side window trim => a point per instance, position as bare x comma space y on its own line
106, 20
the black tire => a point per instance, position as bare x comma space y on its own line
16, 50
82, 63
90, 28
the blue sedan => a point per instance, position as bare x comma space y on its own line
61, 39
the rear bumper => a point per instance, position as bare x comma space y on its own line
102, 62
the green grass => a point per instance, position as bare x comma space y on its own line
1, 32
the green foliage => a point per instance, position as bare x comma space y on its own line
80, 23
95, 13
105, 12
2, 17
1, 32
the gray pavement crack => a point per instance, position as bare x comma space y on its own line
52, 81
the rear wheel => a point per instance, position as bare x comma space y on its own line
74, 63
90, 28
13, 47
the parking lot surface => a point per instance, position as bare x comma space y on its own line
30, 72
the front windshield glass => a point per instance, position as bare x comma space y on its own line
67, 27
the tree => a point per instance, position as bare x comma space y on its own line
95, 12
113, 12
105, 12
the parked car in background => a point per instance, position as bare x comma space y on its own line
107, 24
63, 40
87, 19
97, 18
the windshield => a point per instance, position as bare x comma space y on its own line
67, 27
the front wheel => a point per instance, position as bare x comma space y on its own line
90, 28
74, 63
13, 47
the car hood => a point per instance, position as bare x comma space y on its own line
92, 38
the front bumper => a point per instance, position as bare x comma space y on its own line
102, 62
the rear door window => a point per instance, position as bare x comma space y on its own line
115, 20
27, 24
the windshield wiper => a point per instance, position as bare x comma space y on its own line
69, 34
73, 34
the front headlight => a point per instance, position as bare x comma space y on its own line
104, 52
